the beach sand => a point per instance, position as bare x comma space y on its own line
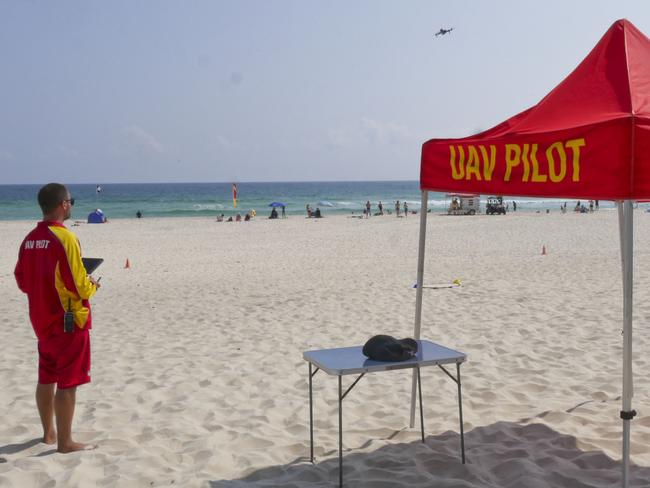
198, 377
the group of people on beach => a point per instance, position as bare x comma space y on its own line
400, 208
313, 214
238, 218
581, 208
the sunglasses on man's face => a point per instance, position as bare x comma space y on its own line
70, 201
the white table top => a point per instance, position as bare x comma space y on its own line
350, 360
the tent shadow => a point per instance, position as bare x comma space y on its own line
500, 455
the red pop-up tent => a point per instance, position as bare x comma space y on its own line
588, 138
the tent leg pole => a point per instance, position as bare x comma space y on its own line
627, 253
418, 293
626, 453
460, 414
621, 231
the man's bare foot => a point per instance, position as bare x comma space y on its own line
50, 438
76, 446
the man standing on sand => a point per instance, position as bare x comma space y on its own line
51, 273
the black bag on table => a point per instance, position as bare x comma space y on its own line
387, 348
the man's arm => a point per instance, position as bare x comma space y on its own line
71, 267
86, 287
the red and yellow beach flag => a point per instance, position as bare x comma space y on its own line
234, 195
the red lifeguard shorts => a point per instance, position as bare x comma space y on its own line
64, 359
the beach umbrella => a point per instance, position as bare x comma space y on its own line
589, 138
277, 204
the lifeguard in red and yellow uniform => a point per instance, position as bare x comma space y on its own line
51, 273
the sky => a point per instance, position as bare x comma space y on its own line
271, 90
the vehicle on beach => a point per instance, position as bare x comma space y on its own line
495, 206
463, 204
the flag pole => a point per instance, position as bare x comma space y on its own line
418, 292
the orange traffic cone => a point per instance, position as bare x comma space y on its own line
127, 265
544, 250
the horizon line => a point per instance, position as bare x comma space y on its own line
216, 182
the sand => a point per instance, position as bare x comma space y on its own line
198, 377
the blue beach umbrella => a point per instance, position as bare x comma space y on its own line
277, 204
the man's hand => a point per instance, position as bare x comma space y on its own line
95, 281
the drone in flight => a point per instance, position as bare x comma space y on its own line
442, 32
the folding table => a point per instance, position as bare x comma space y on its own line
350, 360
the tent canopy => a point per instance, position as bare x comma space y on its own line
588, 138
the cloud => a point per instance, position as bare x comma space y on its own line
373, 133
136, 138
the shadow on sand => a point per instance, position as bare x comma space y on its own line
501, 455
14, 448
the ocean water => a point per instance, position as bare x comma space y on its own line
18, 202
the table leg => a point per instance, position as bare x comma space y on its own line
340, 434
311, 420
460, 411
421, 411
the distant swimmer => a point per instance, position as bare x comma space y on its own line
442, 32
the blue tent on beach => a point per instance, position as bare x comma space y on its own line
96, 217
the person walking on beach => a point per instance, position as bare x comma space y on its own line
51, 273
368, 208
397, 208
406, 209
381, 208
514, 206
